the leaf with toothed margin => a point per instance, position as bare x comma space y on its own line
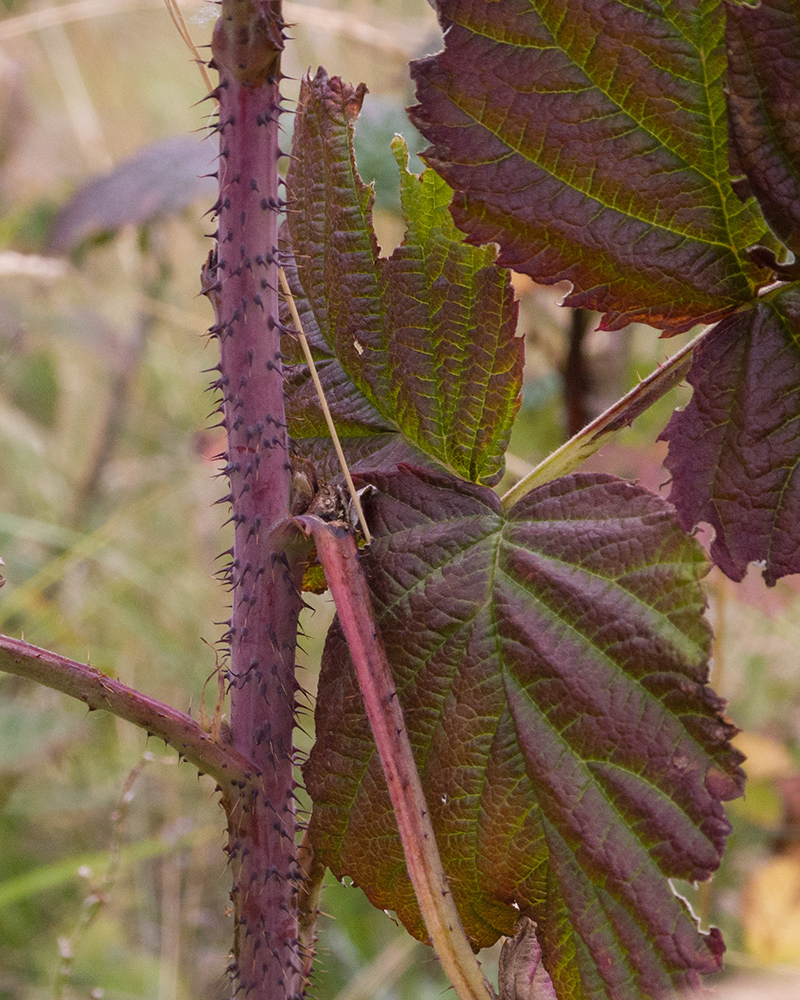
417, 351
589, 140
764, 108
551, 662
734, 451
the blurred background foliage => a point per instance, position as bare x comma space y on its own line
112, 879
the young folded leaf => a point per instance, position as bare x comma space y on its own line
416, 352
521, 975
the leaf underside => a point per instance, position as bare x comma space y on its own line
552, 666
417, 352
764, 109
734, 451
589, 140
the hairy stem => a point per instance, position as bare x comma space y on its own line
265, 569
229, 768
338, 554
616, 418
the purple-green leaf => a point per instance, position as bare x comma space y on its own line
734, 450
589, 140
764, 108
551, 663
419, 347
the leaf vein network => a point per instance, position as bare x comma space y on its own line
713, 181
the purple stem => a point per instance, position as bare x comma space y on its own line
230, 769
265, 570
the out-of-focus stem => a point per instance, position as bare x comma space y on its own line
577, 378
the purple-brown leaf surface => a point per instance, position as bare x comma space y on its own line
734, 450
764, 108
417, 352
551, 663
588, 138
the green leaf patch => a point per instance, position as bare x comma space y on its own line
417, 352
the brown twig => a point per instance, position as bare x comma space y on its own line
577, 377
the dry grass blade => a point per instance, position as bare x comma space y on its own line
323, 403
401, 41
81, 10
183, 30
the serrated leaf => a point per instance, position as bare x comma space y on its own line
764, 108
454, 365
551, 663
419, 347
734, 450
332, 237
589, 140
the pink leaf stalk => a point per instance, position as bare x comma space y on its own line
338, 554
